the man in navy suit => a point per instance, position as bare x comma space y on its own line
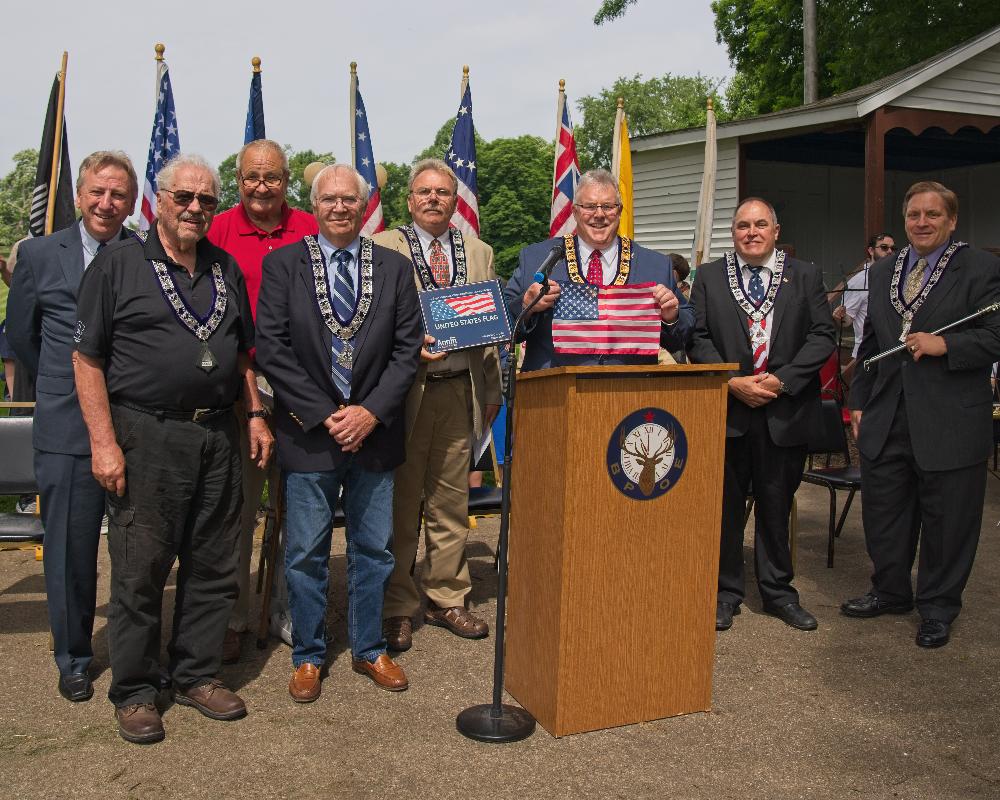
40, 324
596, 255
338, 337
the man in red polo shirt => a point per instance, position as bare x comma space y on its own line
262, 222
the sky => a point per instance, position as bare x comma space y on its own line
409, 67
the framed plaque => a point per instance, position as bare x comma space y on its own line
463, 317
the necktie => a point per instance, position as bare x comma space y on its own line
439, 264
595, 269
914, 281
756, 286
342, 298
100, 246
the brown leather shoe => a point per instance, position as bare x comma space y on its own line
384, 671
139, 723
458, 620
231, 647
398, 633
304, 685
213, 700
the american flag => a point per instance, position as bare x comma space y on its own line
164, 143
565, 176
364, 162
461, 157
623, 320
464, 305
254, 128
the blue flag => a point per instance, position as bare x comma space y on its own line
255, 112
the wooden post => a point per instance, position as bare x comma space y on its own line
56, 148
875, 173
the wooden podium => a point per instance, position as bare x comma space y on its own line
611, 610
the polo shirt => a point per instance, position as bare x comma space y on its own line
150, 357
234, 232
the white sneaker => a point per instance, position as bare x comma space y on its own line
281, 626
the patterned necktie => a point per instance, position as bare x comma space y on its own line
439, 264
756, 286
914, 281
595, 269
343, 307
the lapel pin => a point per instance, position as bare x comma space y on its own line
784, 280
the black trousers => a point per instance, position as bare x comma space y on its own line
182, 502
898, 501
72, 509
774, 472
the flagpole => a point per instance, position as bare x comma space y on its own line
705, 220
353, 92
160, 48
56, 148
560, 105
465, 82
616, 139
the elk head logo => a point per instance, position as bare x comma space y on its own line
646, 460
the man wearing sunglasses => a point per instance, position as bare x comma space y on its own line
854, 308
163, 337
259, 224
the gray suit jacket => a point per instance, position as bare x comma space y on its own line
41, 318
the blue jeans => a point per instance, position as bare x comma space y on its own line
310, 498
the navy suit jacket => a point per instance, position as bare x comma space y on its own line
41, 319
647, 266
802, 339
294, 353
948, 398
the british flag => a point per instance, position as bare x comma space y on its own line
461, 158
565, 176
364, 162
164, 143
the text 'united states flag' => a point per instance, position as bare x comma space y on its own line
463, 305
623, 320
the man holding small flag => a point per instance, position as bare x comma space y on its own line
609, 301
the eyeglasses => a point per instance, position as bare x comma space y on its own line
184, 198
253, 181
426, 192
329, 201
885, 248
593, 208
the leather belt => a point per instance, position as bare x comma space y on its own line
446, 376
197, 415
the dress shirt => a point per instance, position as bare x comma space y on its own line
609, 259
932, 259
328, 249
90, 244
856, 304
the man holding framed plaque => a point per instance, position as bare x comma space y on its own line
455, 397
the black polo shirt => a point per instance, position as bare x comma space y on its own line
150, 357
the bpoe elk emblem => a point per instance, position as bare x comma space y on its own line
647, 453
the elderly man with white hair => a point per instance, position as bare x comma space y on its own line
163, 337
339, 339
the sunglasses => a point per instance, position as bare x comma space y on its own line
184, 198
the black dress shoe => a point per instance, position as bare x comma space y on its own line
724, 613
933, 633
871, 605
76, 687
795, 615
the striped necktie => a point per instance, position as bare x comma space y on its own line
343, 307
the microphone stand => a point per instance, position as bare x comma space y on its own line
497, 721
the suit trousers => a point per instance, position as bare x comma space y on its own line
72, 510
181, 503
900, 499
774, 473
438, 454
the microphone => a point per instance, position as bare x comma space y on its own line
557, 253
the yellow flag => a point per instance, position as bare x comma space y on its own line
621, 160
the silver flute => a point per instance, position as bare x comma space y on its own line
987, 310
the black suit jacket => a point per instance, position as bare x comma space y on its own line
293, 351
948, 398
802, 339
41, 319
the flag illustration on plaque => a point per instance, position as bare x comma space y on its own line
164, 142
605, 320
372, 221
566, 174
466, 305
461, 157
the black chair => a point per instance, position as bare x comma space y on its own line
17, 477
832, 440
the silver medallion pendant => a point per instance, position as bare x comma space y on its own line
346, 357
758, 336
206, 360
907, 322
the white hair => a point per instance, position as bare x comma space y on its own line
165, 177
363, 191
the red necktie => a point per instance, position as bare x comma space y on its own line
439, 264
595, 269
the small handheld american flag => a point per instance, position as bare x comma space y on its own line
605, 320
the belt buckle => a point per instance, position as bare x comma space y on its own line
200, 413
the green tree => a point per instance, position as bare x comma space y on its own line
612, 9
394, 194
298, 191
660, 104
15, 198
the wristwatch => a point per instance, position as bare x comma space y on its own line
260, 413
782, 389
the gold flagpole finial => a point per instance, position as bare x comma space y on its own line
465, 71
709, 104
562, 84
255, 63
621, 102
160, 48
354, 68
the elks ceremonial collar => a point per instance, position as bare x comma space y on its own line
420, 263
905, 311
624, 261
742, 299
348, 328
